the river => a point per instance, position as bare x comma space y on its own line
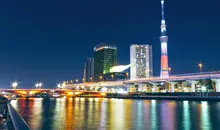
118, 114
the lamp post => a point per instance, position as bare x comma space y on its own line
38, 85
100, 78
91, 79
200, 65
112, 77
77, 81
14, 85
170, 69
59, 86
127, 74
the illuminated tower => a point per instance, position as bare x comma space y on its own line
163, 39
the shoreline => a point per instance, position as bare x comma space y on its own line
180, 98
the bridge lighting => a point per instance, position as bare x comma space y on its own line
203, 88
59, 86
40, 85
104, 89
121, 91
64, 84
14, 85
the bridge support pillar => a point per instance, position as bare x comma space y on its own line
193, 85
172, 84
154, 88
217, 84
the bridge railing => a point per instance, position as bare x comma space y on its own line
16, 120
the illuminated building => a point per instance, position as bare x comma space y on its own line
115, 76
141, 61
89, 70
163, 39
119, 68
105, 57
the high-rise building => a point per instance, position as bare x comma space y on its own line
89, 70
164, 72
141, 61
105, 57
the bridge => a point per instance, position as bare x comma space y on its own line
193, 78
100, 89
61, 92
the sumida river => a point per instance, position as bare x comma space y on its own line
118, 114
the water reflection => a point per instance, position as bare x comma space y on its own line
153, 118
168, 115
116, 114
205, 119
186, 115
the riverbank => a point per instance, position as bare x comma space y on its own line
169, 96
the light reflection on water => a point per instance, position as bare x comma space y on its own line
186, 115
117, 114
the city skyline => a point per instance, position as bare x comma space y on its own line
36, 48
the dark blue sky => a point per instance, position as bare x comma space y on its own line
49, 40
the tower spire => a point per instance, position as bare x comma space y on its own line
163, 39
162, 8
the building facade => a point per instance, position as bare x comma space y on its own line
141, 61
89, 70
116, 76
105, 57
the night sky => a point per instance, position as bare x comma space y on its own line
49, 40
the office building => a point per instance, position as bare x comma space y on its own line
89, 70
105, 57
141, 61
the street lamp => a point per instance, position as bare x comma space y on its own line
64, 84
112, 77
91, 79
77, 81
59, 86
200, 67
83, 80
170, 69
127, 75
100, 77
38, 85
14, 85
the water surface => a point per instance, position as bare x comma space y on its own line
118, 114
